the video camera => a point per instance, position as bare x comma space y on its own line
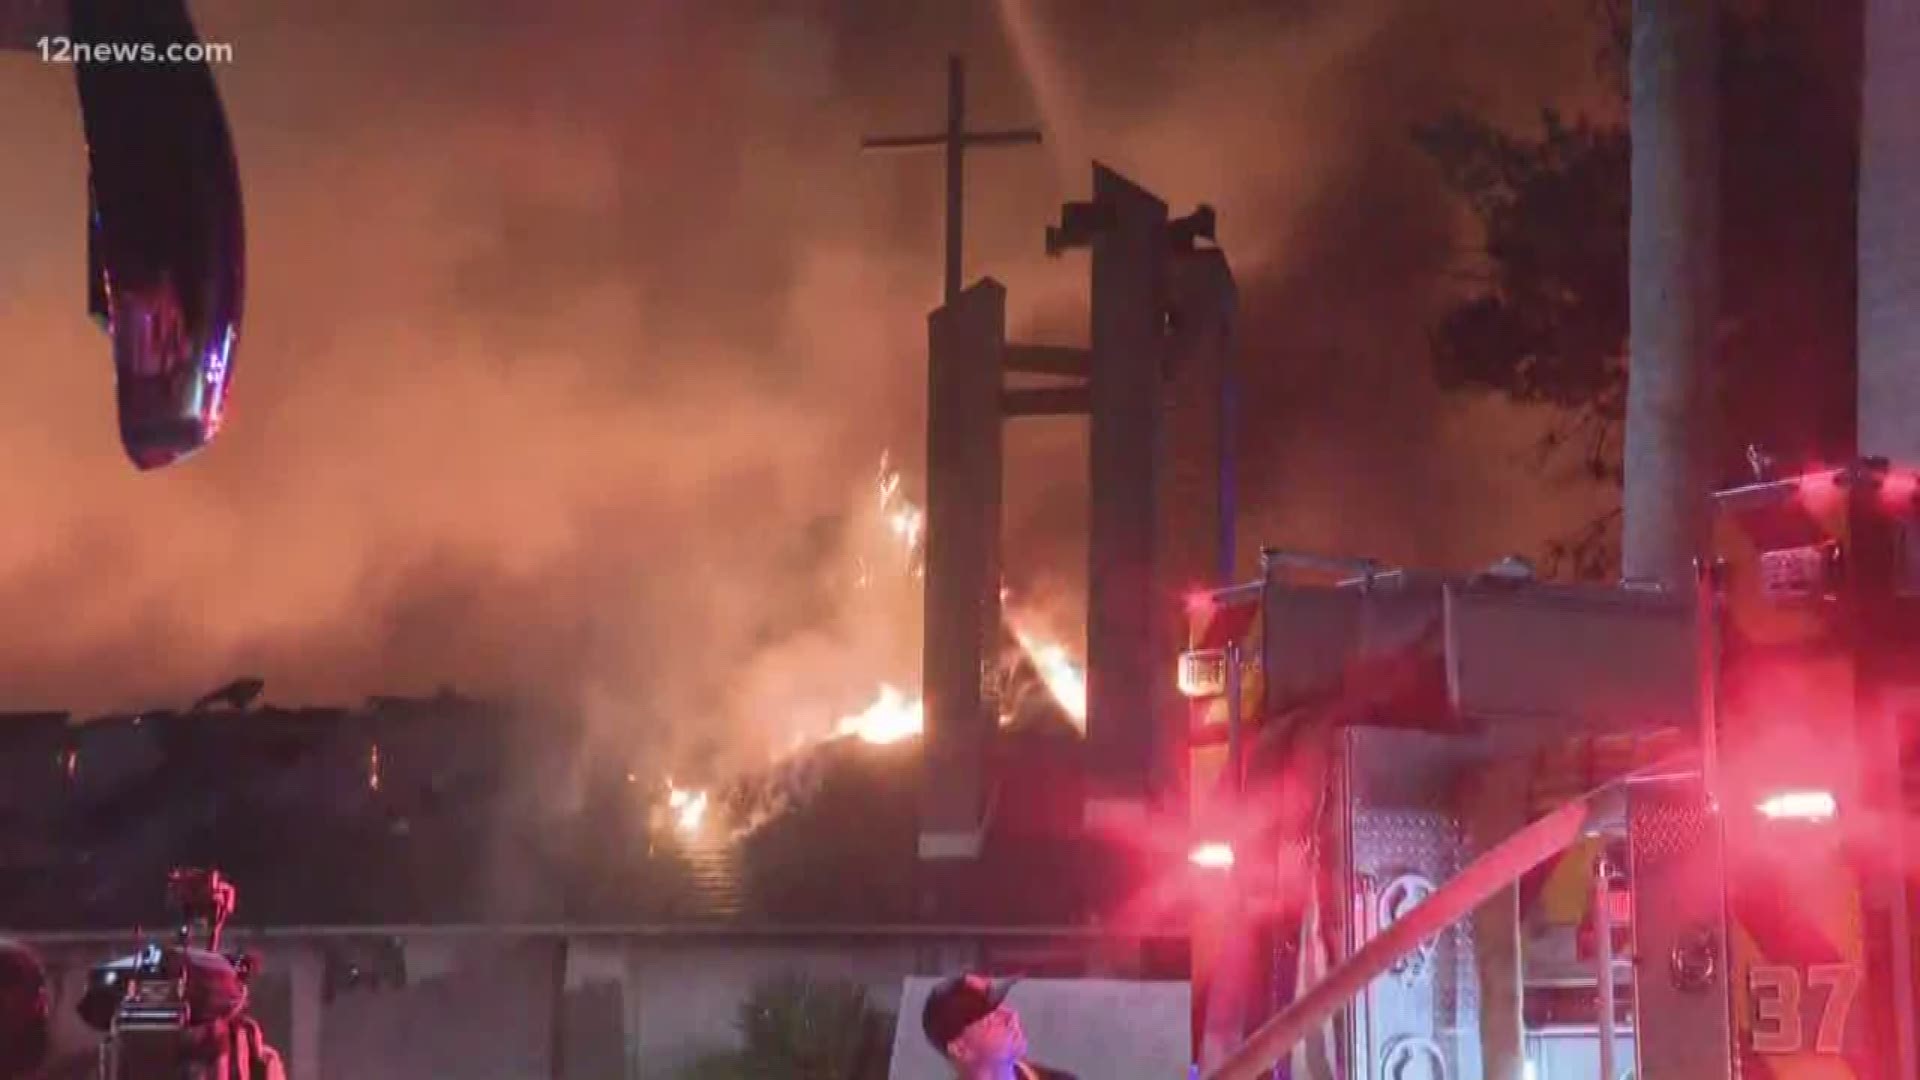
152, 1004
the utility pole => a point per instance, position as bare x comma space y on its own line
1888, 390
1673, 255
955, 141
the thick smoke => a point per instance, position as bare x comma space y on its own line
576, 333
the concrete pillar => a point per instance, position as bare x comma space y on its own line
1198, 517
1196, 540
966, 341
1673, 253
1126, 657
1195, 551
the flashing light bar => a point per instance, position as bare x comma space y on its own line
1799, 806
1203, 673
1897, 489
1821, 484
1212, 856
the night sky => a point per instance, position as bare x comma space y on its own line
574, 337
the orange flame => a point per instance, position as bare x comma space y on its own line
688, 807
891, 718
895, 715
1064, 679
905, 520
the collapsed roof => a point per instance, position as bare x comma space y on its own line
453, 811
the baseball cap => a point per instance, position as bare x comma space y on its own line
957, 1004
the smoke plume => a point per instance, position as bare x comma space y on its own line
576, 333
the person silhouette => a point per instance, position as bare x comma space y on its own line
970, 1024
25, 1007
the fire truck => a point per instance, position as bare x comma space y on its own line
1483, 825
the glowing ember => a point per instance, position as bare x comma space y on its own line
889, 482
906, 525
905, 521
689, 808
891, 718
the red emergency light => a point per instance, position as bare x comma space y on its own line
1212, 855
1199, 603
1809, 806
1820, 488
1897, 490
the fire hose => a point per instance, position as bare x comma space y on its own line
1501, 866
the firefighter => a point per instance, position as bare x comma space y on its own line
24, 1011
969, 1023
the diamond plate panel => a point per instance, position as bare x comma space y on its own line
1424, 840
1434, 997
1680, 1017
1668, 826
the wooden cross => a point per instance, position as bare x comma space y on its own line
956, 140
